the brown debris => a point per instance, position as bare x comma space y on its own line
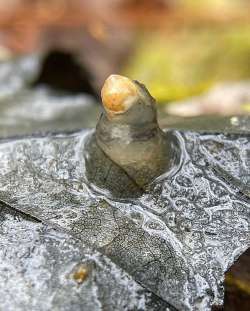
237, 283
80, 274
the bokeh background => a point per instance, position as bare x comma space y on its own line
193, 55
178, 48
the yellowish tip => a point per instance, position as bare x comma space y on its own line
118, 94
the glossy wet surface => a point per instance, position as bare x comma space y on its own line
177, 239
44, 269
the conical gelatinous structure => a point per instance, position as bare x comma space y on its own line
128, 133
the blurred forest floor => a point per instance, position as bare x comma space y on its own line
178, 48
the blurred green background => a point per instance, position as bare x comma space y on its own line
178, 48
